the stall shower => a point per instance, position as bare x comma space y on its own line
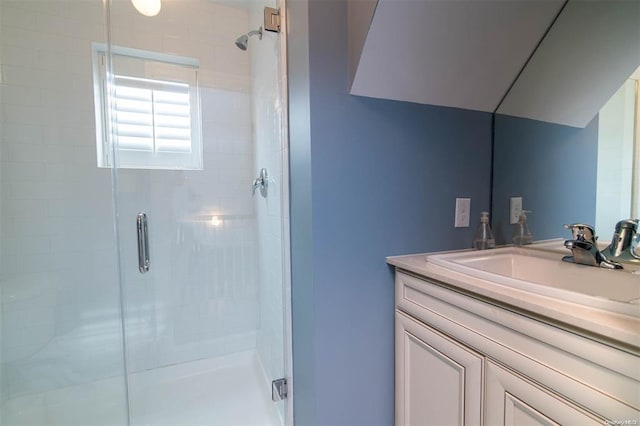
143, 279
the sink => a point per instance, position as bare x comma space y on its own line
545, 273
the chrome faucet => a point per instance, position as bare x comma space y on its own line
584, 248
261, 182
624, 242
582, 232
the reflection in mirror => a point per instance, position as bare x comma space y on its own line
618, 166
554, 159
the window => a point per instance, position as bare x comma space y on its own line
148, 109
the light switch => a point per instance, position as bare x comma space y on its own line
515, 209
463, 208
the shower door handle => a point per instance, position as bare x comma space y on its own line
143, 242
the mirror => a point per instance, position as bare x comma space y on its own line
552, 147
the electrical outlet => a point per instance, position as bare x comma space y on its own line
463, 209
515, 209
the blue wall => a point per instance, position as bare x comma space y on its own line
370, 178
553, 167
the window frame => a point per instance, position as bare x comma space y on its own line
105, 119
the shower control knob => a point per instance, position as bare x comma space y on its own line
262, 182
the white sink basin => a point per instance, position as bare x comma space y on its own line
545, 273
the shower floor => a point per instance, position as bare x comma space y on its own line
228, 390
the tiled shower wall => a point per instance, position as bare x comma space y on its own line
59, 278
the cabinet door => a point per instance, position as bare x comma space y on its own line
438, 381
513, 400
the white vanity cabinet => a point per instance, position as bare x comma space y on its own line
463, 359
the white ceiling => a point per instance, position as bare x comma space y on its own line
462, 53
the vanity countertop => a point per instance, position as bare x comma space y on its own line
617, 329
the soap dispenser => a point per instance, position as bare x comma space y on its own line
484, 237
521, 235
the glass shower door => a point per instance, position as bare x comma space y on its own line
61, 346
194, 119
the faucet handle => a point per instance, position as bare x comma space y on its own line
582, 232
625, 242
627, 224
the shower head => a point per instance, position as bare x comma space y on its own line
243, 40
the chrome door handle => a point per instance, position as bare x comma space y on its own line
143, 242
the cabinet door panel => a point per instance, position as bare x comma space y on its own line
517, 412
438, 381
513, 400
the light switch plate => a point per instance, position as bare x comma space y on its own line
515, 209
463, 208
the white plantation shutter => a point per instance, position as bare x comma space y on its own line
152, 115
153, 123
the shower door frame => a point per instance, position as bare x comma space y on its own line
285, 209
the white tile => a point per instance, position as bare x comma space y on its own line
22, 171
63, 44
18, 56
18, 18
20, 134
84, 135
53, 61
22, 96
91, 12
63, 26
19, 37
20, 76
23, 227
226, 81
80, 171
25, 114
27, 245
24, 153
48, 7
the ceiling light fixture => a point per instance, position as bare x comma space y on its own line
147, 7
